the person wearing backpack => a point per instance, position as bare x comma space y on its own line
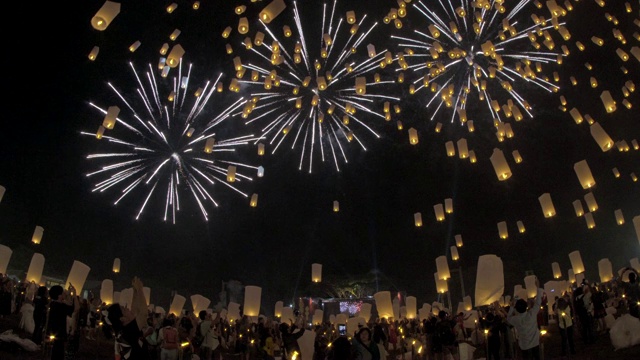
168, 339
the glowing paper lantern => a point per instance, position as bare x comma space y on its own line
116, 297
636, 225
336, 206
413, 136
243, 25
199, 303
489, 280
341, 319
417, 219
316, 272
126, 297
147, 294
458, 240
443, 267
619, 216
451, 149
77, 276
94, 53
547, 205
588, 218
231, 173
592, 205
35, 268
463, 150
110, 118
254, 200
177, 304
252, 295
502, 230
467, 303
106, 291
448, 205
576, 262
233, 312
116, 265
441, 285
607, 101
519, 292
2, 191
272, 10
601, 137
36, 238
454, 253
571, 276
365, 311
499, 162
383, 304
584, 174
605, 270
175, 55
521, 227
133, 47
439, 212
278, 309
577, 206
411, 306
555, 267
105, 15
530, 285
318, 316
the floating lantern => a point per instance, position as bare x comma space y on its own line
243, 25
619, 216
174, 35
577, 206
605, 270
172, 7
443, 267
260, 149
575, 114
499, 162
94, 53
607, 101
591, 202
110, 118
439, 212
516, 156
252, 295
254, 200
413, 136
448, 205
106, 291
458, 240
35, 268
521, 227
411, 304
588, 217
318, 316
555, 267
36, 238
547, 205
5, 256
417, 219
502, 230
336, 206
571, 276
454, 253
383, 304
472, 156
208, 145
77, 276
231, 173
463, 151
489, 280
272, 10
576, 262
584, 174
278, 309
174, 57
105, 15
177, 304
316, 272
451, 150
351, 17
530, 286
116, 265
441, 285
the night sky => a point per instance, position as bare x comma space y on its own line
43, 165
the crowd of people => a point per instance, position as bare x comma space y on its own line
60, 319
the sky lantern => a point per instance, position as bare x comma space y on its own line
172, 7
441, 285
636, 225
592, 205
417, 219
502, 230
35, 268
105, 15
439, 212
106, 291
516, 156
260, 172
383, 304
605, 270
2, 191
454, 253
365, 311
499, 162
260, 149
521, 228
547, 205
316, 272
38, 232
584, 174
634, 263
175, 55
208, 145
94, 53
571, 276
243, 25
336, 206
164, 49
116, 265
472, 156
411, 304
147, 294
77, 276
451, 149
470, 126
231, 173
458, 238
619, 216
443, 267
278, 308
577, 206
287, 314
252, 295
272, 10
555, 267
254, 200
413, 136
588, 217
351, 17
133, 47
174, 35
110, 118
177, 304
575, 114
607, 101
361, 85
489, 280
576, 262
448, 205
318, 315
530, 285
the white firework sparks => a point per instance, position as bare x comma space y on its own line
165, 145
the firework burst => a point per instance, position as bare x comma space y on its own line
478, 50
166, 144
308, 89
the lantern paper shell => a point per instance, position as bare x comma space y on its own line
411, 306
126, 297
521, 227
454, 253
555, 267
116, 265
502, 230
576, 262
272, 10
601, 137
417, 219
316, 273
467, 303
443, 267
413, 136
530, 285
116, 297
77, 276
133, 47
619, 217
463, 150
2, 191
318, 316
584, 174
341, 319
231, 173
605, 270
199, 303
519, 292
254, 200
590, 200
110, 118
252, 295
577, 206
94, 53
547, 205
336, 206
147, 294
499, 162
588, 218
175, 55
579, 278
489, 280
106, 291
441, 285
278, 308
383, 304
365, 311
636, 225
105, 15
571, 276
177, 304
635, 264
439, 212
448, 205
458, 240
35, 268
37, 235
233, 311
607, 101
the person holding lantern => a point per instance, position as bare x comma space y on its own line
526, 324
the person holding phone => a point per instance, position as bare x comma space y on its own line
63, 304
340, 349
290, 340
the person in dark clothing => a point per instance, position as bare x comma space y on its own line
290, 339
40, 302
584, 318
63, 304
495, 325
340, 349
127, 324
